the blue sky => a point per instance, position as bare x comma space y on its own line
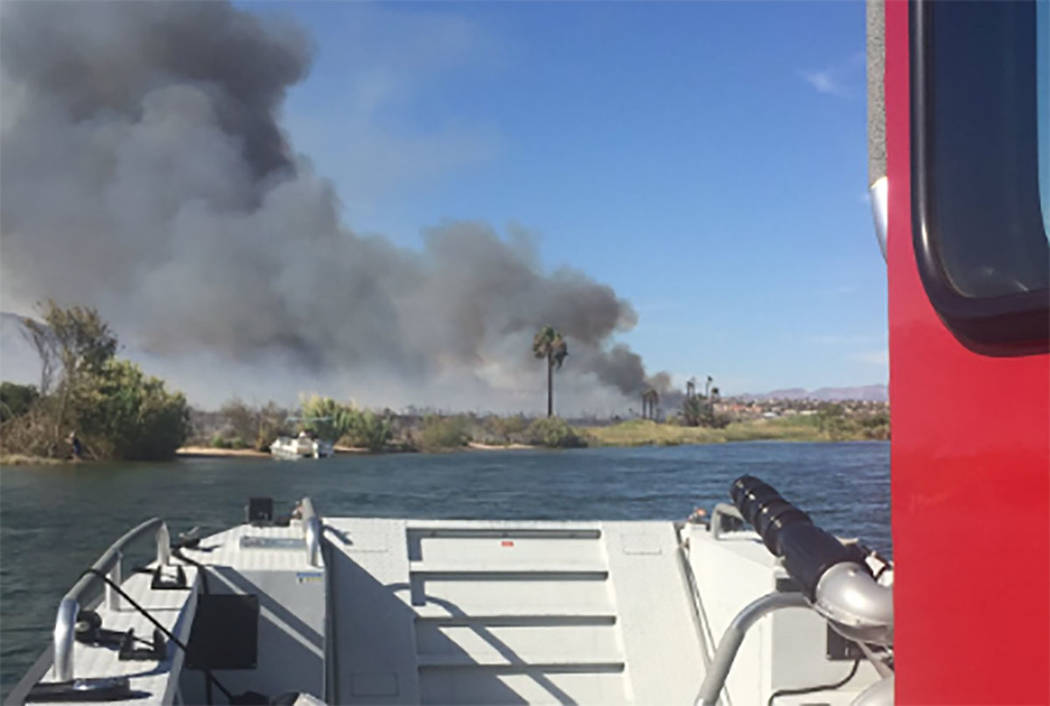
706, 160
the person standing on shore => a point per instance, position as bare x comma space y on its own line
78, 449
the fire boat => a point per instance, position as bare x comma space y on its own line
751, 603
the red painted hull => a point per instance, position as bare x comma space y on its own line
970, 477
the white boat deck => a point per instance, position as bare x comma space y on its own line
486, 612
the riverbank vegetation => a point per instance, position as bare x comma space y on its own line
352, 428
238, 425
94, 406
89, 404
366, 430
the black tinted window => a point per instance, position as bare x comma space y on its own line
984, 92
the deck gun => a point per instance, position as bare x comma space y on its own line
834, 578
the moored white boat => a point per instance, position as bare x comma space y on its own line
303, 446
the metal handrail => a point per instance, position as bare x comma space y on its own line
722, 510
715, 678
110, 564
311, 531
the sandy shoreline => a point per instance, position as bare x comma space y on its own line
478, 446
210, 452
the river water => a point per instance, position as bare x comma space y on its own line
55, 521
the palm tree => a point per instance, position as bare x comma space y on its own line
652, 397
549, 344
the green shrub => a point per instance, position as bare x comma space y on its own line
15, 400
444, 432
694, 411
506, 429
259, 425
131, 414
555, 433
219, 442
272, 422
370, 430
720, 421
327, 418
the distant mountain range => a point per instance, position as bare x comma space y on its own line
864, 393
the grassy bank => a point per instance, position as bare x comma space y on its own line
641, 432
26, 460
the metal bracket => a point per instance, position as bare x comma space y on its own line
178, 583
158, 652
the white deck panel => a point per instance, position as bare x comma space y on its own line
661, 638
435, 611
533, 643
512, 612
462, 686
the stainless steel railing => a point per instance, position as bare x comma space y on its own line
723, 510
311, 531
110, 564
715, 678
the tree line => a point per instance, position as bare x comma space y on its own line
92, 405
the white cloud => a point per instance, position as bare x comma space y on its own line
843, 79
823, 81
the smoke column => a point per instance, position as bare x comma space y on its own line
145, 172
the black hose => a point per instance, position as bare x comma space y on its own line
812, 689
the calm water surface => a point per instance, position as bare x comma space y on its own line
54, 522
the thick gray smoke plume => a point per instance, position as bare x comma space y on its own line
144, 171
